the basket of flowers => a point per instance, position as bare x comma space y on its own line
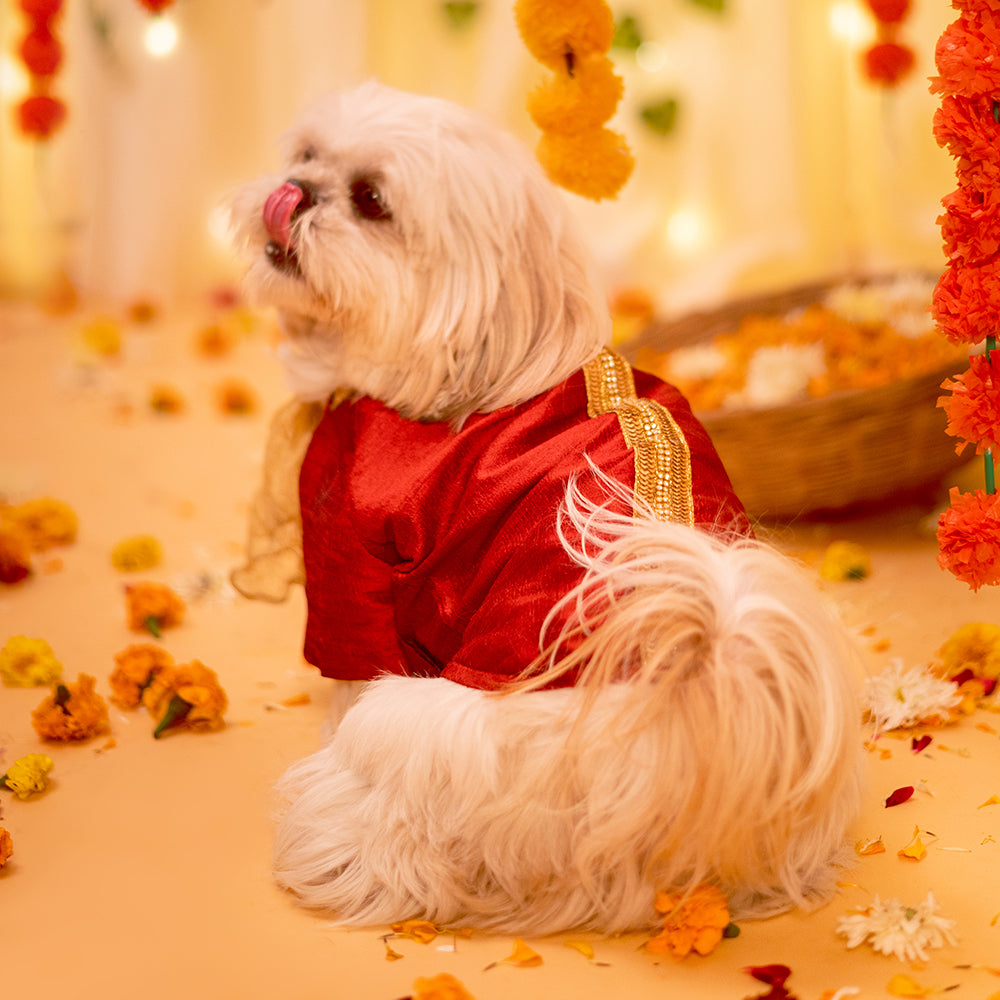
820, 397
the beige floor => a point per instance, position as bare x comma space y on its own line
143, 870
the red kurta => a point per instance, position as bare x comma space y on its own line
433, 552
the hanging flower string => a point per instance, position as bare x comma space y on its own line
888, 60
572, 38
155, 6
966, 303
40, 114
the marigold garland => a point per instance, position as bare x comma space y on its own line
966, 302
40, 114
888, 61
572, 38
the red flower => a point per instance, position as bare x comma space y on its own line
40, 12
889, 11
968, 58
970, 226
41, 52
966, 302
974, 406
966, 128
899, 796
40, 115
977, 7
969, 538
155, 6
886, 63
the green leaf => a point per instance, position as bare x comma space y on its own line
460, 13
661, 117
177, 711
627, 34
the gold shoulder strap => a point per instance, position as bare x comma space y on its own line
662, 457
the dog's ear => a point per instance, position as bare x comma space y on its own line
515, 308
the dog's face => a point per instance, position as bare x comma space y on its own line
417, 254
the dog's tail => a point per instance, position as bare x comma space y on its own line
735, 686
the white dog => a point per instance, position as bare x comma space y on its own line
585, 681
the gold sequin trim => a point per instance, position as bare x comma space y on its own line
662, 456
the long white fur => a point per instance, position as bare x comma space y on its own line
715, 730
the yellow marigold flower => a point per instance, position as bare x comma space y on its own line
47, 522
974, 647
594, 164
234, 397
441, 987
845, 561
6, 846
693, 923
15, 551
187, 696
140, 552
583, 101
552, 28
143, 311
28, 662
72, 712
152, 607
136, 667
103, 336
28, 774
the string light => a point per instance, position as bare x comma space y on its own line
161, 36
687, 230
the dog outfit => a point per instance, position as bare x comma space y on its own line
434, 552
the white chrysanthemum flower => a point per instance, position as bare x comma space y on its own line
894, 929
695, 362
901, 696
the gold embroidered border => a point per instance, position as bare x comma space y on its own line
662, 456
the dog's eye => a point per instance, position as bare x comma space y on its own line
367, 201
307, 155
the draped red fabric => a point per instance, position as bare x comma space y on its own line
430, 551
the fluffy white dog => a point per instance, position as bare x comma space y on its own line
583, 680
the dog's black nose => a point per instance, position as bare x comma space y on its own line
309, 197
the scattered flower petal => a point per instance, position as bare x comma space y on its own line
6, 846
695, 922
522, 956
993, 800
865, 848
899, 796
916, 745
904, 986
390, 955
416, 930
583, 947
916, 850
440, 987
72, 712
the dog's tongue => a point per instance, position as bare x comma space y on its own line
278, 210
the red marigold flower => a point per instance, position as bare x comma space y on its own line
886, 63
967, 58
155, 6
965, 126
966, 302
889, 11
973, 408
969, 538
977, 7
40, 12
39, 116
41, 52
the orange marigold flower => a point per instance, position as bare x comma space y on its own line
585, 100
886, 63
441, 987
969, 538
889, 11
214, 341
6, 846
135, 670
187, 696
693, 923
965, 55
970, 226
966, 302
973, 408
47, 522
15, 551
165, 398
72, 712
965, 126
594, 164
152, 607
40, 115
551, 29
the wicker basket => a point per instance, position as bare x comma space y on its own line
847, 449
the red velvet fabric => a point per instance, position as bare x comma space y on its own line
433, 552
